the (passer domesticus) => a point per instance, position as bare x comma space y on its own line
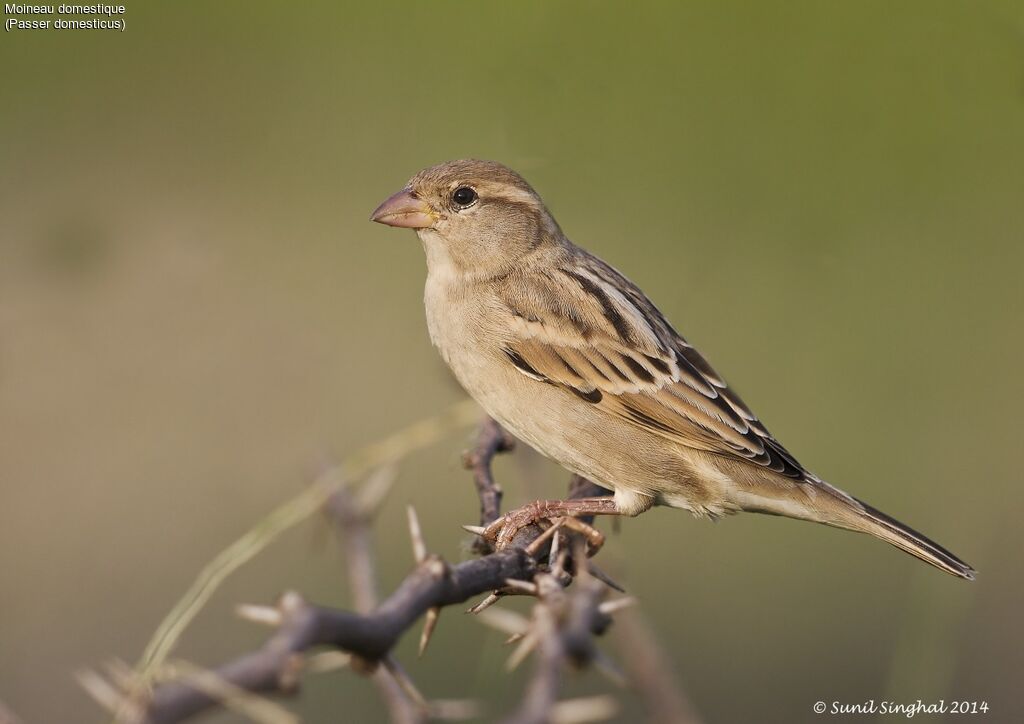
570, 356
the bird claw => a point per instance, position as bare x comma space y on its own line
548, 514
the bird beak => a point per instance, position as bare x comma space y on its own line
406, 210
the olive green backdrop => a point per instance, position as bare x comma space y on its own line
194, 312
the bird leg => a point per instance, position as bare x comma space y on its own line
580, 487
501, 532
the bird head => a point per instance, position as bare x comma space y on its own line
478, 216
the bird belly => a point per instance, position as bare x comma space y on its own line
643, 469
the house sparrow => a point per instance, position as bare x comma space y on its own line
570, 356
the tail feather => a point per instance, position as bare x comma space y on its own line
823, 503
880, 525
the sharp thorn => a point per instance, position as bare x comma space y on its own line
399, 674
484, 604
267, 615
475, 529
419, 546
576, 711
556, 545
429, 624
524, 586
526, 644
513, 638
327, 661
540, 540
558, 569
290, 603
508, 622
121, 674
610, 607
604, 578
101, 690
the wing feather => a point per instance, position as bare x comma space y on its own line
613, 348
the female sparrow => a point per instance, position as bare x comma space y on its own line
573, 358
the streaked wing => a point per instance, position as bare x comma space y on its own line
612, 347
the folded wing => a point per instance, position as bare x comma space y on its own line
612, 348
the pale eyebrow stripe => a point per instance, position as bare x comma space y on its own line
511, 194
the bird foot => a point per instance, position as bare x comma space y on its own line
551, 514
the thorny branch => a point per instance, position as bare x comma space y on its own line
542, 561
354, 519
491, 440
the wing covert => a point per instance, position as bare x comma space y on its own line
612, 348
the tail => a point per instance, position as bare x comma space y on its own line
818, 501
890, 530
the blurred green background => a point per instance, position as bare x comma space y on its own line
827, 198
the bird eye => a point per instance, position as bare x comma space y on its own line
464, 196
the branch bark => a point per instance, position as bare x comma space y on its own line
491, 440
303, 626
354, 521
562, 628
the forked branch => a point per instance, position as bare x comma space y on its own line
541, 561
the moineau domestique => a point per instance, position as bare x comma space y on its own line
109, 10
